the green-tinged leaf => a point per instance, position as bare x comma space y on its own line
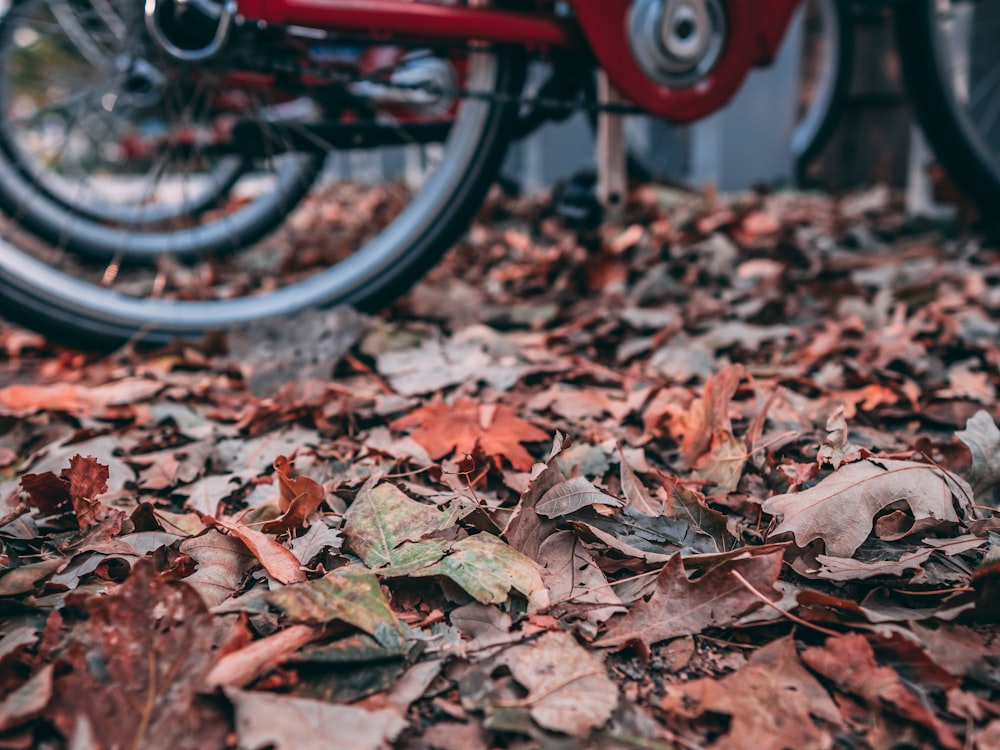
381, 518
982, 437
488, 569
571, 496
355, 649
413, 556
351, 596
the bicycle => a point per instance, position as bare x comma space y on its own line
240, 103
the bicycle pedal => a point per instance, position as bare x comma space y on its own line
576, 203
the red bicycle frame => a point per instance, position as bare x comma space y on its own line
755, 31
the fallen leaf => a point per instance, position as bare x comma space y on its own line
488, 569
568, 687
223, 564
298, 499
382, 518
134, 668
266, 720
572, 495
680, 606
572, 578
277, 560
347, 595
710, 413
771, 702
634, 490
849, 661
840, 510
88, 479
442, 430
27, 701
982, 437
22, 400
240, 668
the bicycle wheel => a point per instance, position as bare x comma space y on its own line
951, 61
409, 172
825, 74
107, 145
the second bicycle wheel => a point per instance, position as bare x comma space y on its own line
410, 165
951, 59
827, 52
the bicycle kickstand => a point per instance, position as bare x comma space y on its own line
610, 151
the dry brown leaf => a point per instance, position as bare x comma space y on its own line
680, 606
88, 478
444, 429
283, 723
772, 702
840, 510
223, 564
240, 668
298, 498
849, 661
133, 670
572, 495
710, 413
573, 579
73, 398
569, 688
277, 560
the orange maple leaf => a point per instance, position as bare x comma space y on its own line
442, 429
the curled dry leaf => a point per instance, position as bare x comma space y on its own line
840, 510
240, 668
298, 498
277, 560
982, 437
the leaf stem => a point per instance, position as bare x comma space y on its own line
794, 618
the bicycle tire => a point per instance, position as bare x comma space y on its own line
87, 314
969, 150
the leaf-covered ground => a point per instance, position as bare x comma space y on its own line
724, 474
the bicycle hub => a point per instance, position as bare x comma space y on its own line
677, 42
